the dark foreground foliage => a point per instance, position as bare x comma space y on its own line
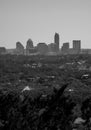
54, 112
61, 92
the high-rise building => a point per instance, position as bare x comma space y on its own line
3, 50
19, 48
65, 48
77, 46
29, 46
56, 41
42, 48
52, 47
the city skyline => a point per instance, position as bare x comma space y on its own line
40, 19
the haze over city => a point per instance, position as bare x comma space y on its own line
40, 19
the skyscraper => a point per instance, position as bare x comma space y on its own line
52, 47
65, 48
29, 46
77, 46
19, 48
42, 48
56, 41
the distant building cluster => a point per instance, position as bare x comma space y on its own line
44, 49
76, 49
41, 48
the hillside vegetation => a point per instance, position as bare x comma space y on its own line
45, 92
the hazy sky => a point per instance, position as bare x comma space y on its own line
40, 19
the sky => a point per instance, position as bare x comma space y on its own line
40, 19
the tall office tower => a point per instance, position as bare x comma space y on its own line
65, 48
19, 48
29, 46
76, 46
56, 41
